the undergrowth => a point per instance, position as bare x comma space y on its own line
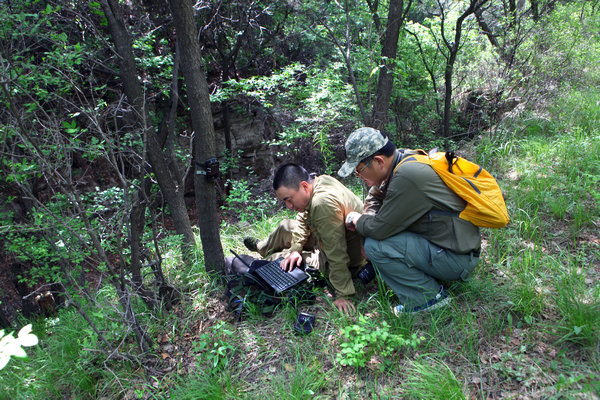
526, 324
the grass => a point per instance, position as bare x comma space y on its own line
57, 367
433, 380
526, 325
579, 308
205, 385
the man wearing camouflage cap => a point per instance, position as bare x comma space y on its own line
410, 236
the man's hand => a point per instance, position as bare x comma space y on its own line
292, 261
344, 305
351, 220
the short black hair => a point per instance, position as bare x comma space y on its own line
387, 151
290, 175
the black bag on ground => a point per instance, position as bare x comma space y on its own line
247, 294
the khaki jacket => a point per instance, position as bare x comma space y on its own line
324, 217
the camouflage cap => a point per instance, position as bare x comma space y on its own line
361, 144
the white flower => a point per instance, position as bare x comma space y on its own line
13, 347
26, 338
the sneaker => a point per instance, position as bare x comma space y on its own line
441, 299
251, 243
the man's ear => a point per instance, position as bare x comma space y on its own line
379, 160
306, 187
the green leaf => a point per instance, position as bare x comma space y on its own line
374, 70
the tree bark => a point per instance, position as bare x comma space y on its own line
172, 192
388, 55
512, 13
204, 135
137, 221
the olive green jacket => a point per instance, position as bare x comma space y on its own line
414, 199
324, 217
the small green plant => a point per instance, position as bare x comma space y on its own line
321, 139
468, 333
230, 160
528, 293
245, 205
367, 338
568, 386
207, 385
300, 377
68, 367
215, 348
514, 365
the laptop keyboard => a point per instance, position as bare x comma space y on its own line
276, 277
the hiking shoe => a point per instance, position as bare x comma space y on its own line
441, 299
251, 243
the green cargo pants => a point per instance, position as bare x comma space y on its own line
411, 265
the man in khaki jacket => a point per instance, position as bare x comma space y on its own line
322, 204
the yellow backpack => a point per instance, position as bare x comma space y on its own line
485, 203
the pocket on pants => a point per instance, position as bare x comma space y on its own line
464, 276
393, 248
467, 271
438, 256
447, 265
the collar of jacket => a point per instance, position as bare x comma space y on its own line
314, 182
398, 155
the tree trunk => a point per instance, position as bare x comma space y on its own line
202, 124
228, 144
136, 227
453, 48
373, 7
447, 98
485, 28
512, 13
172, 192
430, 71
535, 10
388, 56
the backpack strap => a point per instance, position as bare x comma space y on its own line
408, 158
424, 157
244, 289
451, 157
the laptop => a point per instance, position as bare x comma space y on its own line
279, 279
272, 274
